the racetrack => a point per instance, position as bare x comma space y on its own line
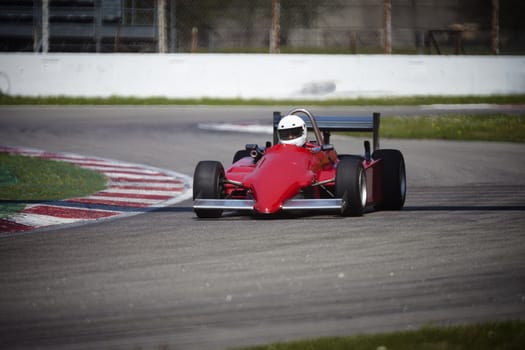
164, 279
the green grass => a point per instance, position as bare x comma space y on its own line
508, 335
494, 127
405, 101
7, 209
29, 179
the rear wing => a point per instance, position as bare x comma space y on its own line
327, 124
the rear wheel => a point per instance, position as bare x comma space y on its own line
350, 186
242, 153
208, 184
394, 179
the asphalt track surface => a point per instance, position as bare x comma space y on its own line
165, 280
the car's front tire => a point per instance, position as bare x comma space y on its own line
208, 184
350, 186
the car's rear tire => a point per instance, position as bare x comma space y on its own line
240, 154
356, 156
208, 184
394, 179
350, 186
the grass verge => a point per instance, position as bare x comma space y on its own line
401, 101
28, 179
494, 127
507, 335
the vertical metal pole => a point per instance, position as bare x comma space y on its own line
387, 26
45, 26
162, 26
37, 25
194, 39
173, 26
276, 26
133, 12
276, 118
116, 45
98, 25
375, 132
495, 27
353, 42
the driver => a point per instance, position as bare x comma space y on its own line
292, 130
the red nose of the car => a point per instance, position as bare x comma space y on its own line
280, 175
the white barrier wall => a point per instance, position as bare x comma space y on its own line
246, 76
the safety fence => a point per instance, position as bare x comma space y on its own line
287, 26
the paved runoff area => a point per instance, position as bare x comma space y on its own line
131, 189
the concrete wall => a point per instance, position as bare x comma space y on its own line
258, 75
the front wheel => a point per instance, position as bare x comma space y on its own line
350, 186
208, 184
394, 183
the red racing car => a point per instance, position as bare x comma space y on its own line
302, 173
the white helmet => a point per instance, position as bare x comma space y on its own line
292, 130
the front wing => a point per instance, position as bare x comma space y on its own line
248, 204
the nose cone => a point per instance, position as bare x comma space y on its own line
279, 176
267, 207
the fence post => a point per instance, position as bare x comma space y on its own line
162, 27
276, 26
194, 39
45, 26
387, 26
173, 26
37, 25
495, 27
98, 25
353, 42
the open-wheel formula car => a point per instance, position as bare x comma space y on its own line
298, 173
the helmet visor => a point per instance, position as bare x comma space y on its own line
290, 134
